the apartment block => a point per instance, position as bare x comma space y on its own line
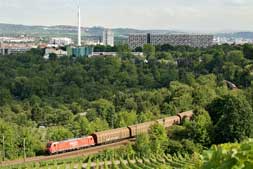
108, 37
198, 41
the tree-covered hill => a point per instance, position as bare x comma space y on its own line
55, 99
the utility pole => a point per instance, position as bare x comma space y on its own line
113, 113
137, 133
24, 149
112, 120
136, 129
3, 148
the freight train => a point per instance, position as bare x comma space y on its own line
113, 135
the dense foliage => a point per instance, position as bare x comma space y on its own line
55, 99
228, 156
225, 156
232, 118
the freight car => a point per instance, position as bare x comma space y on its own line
114, 135
169, 121
68, 145
140, 128
185, 115
166, 122
111, 135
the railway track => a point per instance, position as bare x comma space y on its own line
101, 137
72, 154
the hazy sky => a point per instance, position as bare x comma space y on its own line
191, 15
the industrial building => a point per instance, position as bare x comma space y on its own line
8, 51
97, 54
80, 51
192, 40
14, 48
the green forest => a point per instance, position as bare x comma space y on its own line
56, 99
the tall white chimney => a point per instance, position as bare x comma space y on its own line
79, 24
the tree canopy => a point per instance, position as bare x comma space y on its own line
67, 97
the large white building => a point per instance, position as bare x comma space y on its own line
108, 37
193, 40
92, 40
58, 52
61, 41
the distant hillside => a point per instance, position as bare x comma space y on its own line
63, 30
70, 31
40, 31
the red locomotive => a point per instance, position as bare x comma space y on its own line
114, 135
71, 144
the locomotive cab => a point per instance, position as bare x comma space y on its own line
51, 147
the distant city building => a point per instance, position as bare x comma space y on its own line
58, 52
108, 37
92, 40
19, 39
42, 45
61, 41
14, 48
80, 51
138, 40
231, 40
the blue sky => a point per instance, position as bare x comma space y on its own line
190, 15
